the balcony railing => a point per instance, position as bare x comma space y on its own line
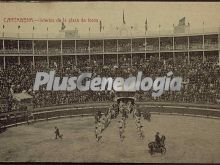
108, 35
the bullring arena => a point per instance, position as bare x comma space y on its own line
190, 137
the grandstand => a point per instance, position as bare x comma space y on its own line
194, 56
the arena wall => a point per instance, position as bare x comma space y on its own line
82, 110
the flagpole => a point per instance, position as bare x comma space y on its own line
203, 27
103, 32
47, 32
3, 32
18, 31
159, 29
123, 17
33, 32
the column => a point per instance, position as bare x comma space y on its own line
61, 60
4, 62
47, 46
19, 60
203, 48
131, 52
219, 56
145, 48
61, 47
103, 56
3, 42
76, 59
103, 43
117, 52
18, 47
219, 47
188, 49
33, 46
61, 52
75, 47
103, 59
159, 48
89, 53
48, 62
174, 58
33, 62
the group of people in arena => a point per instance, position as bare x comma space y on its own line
102, 121
122, 126
139, 126
201, 81
123, 109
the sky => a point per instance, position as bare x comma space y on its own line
110, 13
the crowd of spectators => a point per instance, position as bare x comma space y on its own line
201, 80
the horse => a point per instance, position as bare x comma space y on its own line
153, 146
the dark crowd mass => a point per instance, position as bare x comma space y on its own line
201, 80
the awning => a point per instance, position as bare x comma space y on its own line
21, 96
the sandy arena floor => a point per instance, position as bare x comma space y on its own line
188, 139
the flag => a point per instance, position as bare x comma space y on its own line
182, 21
100, 24
124, 18
146, 24
63, 26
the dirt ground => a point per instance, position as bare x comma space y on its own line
188, 139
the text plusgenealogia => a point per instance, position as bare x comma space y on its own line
85, 82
